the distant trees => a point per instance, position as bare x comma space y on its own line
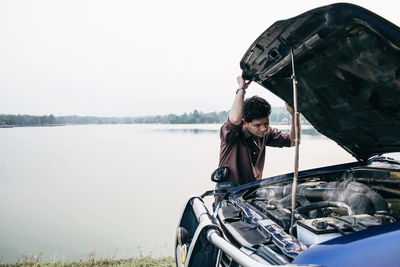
27, 120
279, 115
191, 118
90, 120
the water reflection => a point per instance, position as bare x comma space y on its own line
109, 189
310, 131
305, 131
188, 131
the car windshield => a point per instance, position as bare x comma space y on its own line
388, 160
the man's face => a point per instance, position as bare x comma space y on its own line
257, 127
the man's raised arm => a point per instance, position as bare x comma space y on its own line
236, 112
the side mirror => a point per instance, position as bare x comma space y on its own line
220, 175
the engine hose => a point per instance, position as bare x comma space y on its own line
324, 204
286, 201
356, 195
379, 203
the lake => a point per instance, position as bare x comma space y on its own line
114, 190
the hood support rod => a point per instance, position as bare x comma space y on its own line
296, 140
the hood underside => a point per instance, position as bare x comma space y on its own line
347, 64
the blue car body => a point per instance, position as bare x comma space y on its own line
347, 62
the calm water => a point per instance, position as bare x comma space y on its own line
114, 190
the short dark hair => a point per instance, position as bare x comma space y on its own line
256, 108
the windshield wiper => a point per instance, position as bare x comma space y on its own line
384, 159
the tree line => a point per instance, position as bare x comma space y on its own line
279, 115
27, 120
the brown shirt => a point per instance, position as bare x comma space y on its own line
240, 151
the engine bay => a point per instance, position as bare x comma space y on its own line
328, 205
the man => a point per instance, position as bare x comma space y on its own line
246, 133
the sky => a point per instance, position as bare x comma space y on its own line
135, 58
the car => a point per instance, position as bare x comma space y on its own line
344, 63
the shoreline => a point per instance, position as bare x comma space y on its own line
19, 126
141, 260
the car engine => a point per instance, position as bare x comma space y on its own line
328, 205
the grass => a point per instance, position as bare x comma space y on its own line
140, 261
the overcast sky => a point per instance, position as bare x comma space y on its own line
134, 58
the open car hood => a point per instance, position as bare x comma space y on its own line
347, 64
